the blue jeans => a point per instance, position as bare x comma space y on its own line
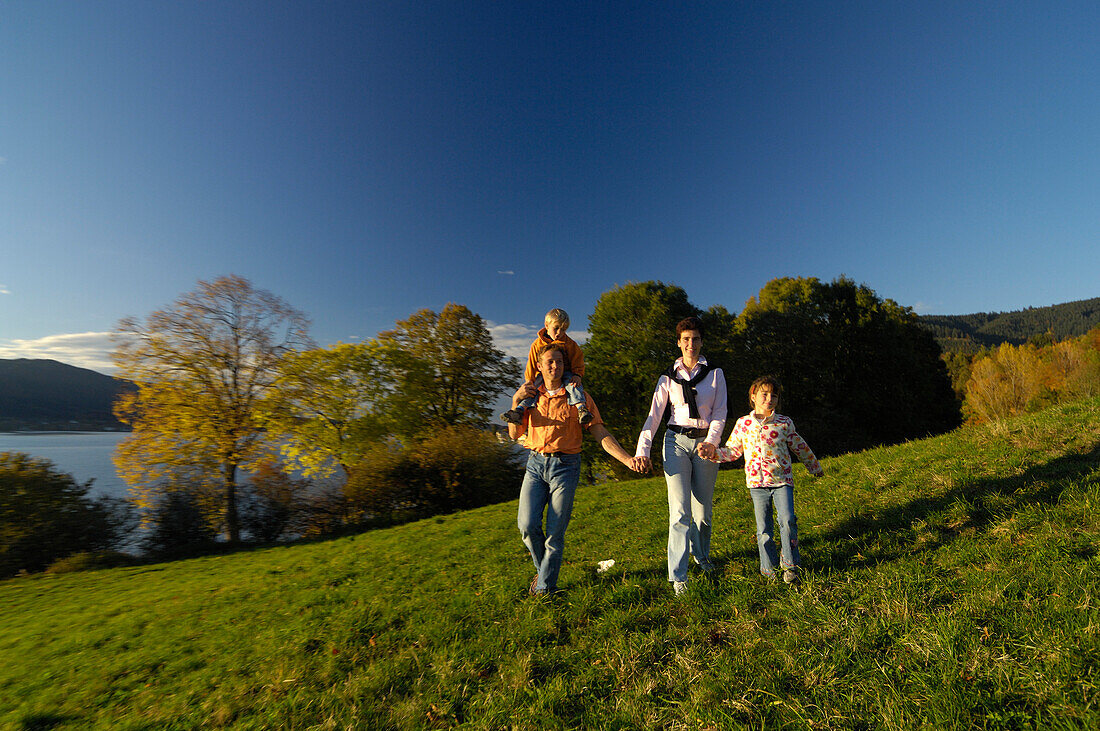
783, 498
574, 392
548, 485
690, 481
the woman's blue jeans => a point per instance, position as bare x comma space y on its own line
690, 481
548, 485
783, 498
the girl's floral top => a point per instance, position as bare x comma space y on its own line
767, 446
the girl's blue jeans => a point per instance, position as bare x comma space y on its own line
782, 498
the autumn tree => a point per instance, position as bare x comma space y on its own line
201, 367
1003, 383
452, 373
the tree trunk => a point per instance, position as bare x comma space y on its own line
232, 524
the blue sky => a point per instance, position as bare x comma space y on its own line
366, 160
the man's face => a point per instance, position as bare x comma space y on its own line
552, 365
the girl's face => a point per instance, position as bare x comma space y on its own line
764, 400
691, 345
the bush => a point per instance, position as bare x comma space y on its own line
90, 561
455, 468
273, 505
178, 526
46, 515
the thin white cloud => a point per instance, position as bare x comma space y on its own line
85, 350
509, 272
4, 289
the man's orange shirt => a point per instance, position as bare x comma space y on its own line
553, 426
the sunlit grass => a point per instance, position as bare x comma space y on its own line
950, 583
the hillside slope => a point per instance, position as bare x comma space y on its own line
971, 333
950, 583
47, 394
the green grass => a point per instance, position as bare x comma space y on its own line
950, 583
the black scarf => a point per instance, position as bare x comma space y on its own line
689, 386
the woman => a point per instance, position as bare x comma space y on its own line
691, 397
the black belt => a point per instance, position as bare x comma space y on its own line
557, 454
689, 431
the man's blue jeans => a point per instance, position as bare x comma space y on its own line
573, 392
690, 481
783, 498
549, 485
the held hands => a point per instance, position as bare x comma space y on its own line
707, 451
640, 464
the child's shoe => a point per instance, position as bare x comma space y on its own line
584, 414
790, 576
512, 416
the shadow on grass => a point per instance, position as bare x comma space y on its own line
871, 537
43, 721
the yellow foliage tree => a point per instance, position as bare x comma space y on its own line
1003, 383
201, 367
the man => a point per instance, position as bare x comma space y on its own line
553, 432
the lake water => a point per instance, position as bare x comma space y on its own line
84, 455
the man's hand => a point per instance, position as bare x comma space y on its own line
641, 464
527, 390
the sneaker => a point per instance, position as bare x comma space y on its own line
790, 576
679, 587
584, 414
533, 590
512, 416
707, 567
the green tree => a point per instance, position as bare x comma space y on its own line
857, 370
329, 405
201, 367
632, 341
46, 515
452, 372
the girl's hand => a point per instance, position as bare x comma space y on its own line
706, 450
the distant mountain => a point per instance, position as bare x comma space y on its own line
970, 333
46, 394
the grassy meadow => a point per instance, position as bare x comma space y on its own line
950, 583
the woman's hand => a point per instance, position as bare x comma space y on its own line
707, 450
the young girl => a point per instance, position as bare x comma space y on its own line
767, 440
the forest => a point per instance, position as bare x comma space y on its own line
973, 333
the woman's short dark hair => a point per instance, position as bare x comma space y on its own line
689, 323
